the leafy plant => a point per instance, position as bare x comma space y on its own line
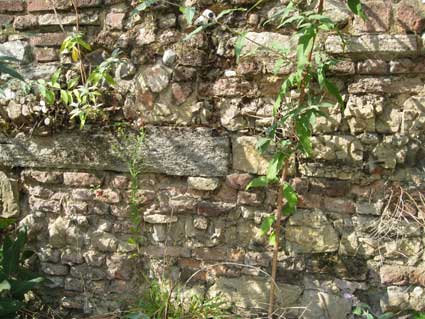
128, 147
419, 315
6, 69
15, 279
82, 94
161, 301
363, 311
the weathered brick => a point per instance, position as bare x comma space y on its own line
47, 39
81, 179
170, 251
218, 254
402, 275
25, 22
44, 176
11, 6
54, 270
250, 198
409, 18
46, 54
378, 17
238, 181
115, 20
120, 182
370, 66
45, 5
5, 19
107, 196
378, 44
339, 205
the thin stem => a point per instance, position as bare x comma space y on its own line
277, 229
277, 237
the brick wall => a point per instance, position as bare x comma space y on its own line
203, 112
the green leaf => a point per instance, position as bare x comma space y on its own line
4, 285
387, 315
275, 166
55, 76
64, 97
257, 182
239, 44
303, 132
143, 6
272, 239
196, 31
356, 7
9, 307
228, 11
333, 90
4, 69
291, 199
267, 224
357, 311
20, 288
263, 144
188, 13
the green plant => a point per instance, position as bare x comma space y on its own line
6, 69
15, 279
163, 301
419, 315
363, 311
82, 94
304, 95
128, 147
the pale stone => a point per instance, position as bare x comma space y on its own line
18, 50
203, 184
57, 231
311, 232
9, 201
156, 78
325, 305
160, 219
246, 158
377, 44
246, 292
104, 242
67, 19
361, 110
413, 119
200, 223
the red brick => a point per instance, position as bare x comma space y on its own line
11, 6
46, 54
410, 19
43, 5
5, 19
378, 17
81, 179
115, 21
238, 181
25, 22
44, 177
47, 39
339, 205
218, 254
372, 67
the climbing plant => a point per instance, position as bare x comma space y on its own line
303, 95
